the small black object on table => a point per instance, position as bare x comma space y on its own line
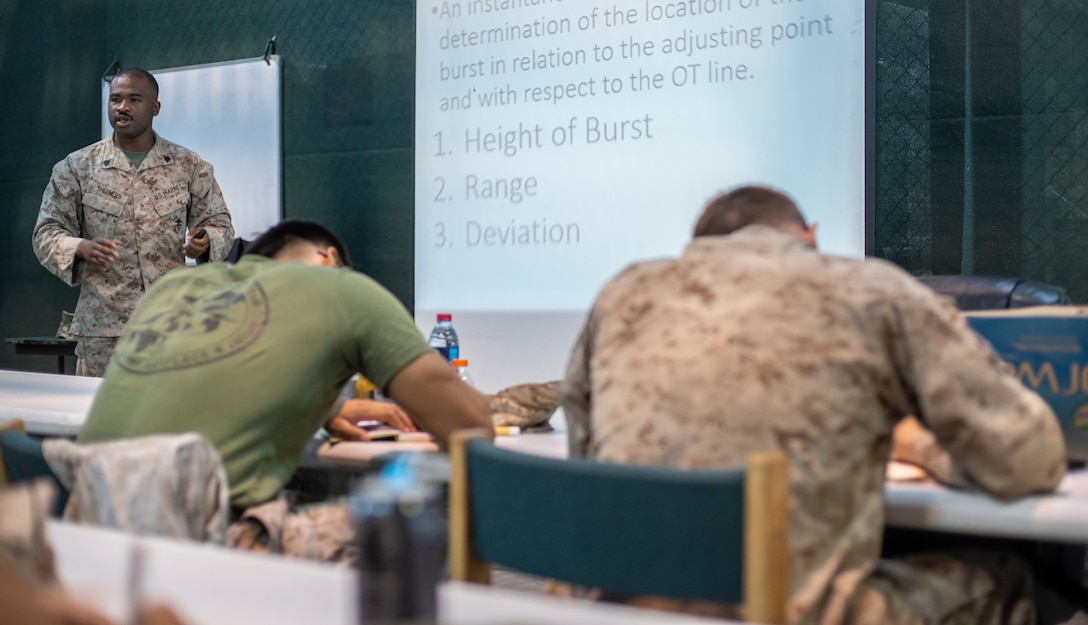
44, 346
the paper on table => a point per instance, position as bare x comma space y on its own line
360, 451
904, 472
382, 431
413, 437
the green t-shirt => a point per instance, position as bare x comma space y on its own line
252, 356
136, 158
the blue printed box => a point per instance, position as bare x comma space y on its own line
1048, 348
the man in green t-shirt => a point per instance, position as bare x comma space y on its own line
253, 355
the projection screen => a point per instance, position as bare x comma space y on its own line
557, 141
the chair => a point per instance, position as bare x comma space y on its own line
170, 485
237, 250
995, 292
634, 530
21, 460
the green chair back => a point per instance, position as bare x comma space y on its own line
628, 530
23, 461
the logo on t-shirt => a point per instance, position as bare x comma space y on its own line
191, 322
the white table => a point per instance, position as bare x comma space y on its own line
551, 444
351, 453
1059, 517
208, 585
205, 584
53, 404
49, 404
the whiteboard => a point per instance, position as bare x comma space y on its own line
229, 114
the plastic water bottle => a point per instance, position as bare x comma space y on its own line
401, 535
444, 337
461, 365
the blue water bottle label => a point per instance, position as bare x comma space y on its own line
444, 351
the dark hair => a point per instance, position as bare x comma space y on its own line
287, 233
745, 206
140, 73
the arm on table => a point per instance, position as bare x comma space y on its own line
914, 444
1000, 437
433, 395
353, 411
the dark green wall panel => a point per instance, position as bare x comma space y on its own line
347, 127
1018, 154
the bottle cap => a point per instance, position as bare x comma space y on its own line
459, 362
445, 317
363, 387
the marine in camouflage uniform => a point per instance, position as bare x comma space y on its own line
755, 341
98, 194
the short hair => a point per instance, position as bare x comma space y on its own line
139, 73
286, 233
746, 206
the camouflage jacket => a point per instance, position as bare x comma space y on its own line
754, 341
96, 192
164, 485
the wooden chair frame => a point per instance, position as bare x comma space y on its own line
13, 424
766, 530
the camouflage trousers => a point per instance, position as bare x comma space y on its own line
965, 588
953, 588
324, 532
93, 354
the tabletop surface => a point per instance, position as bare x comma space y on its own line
211, 585
205, 584
40, 340
1061, 516
49, 404
56, 405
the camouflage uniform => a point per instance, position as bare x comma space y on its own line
755, 341
96, 192
323, 531
525, 405
93, 354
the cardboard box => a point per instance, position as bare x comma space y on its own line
1048, 348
